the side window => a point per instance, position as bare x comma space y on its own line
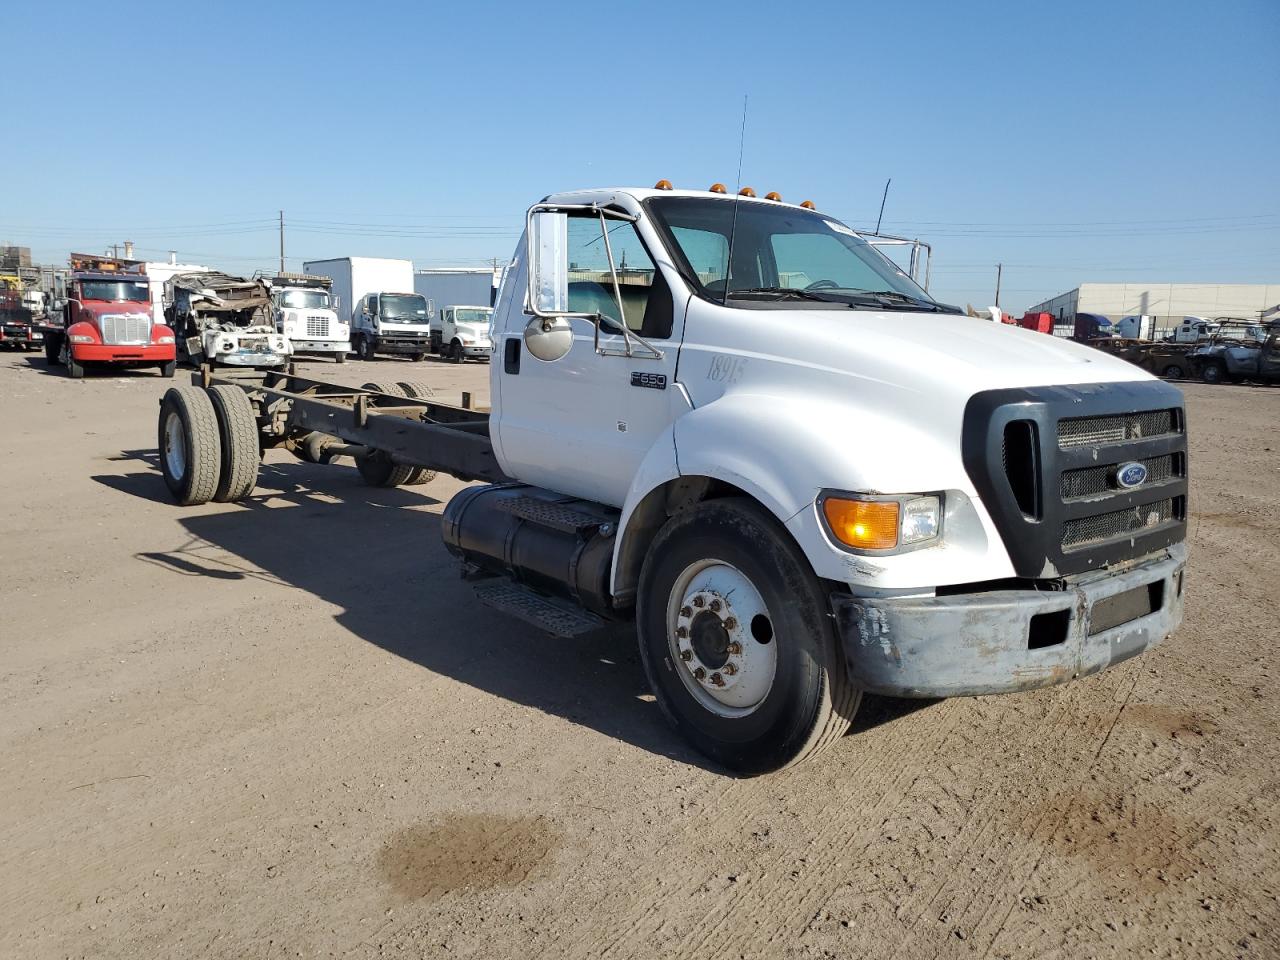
646, 299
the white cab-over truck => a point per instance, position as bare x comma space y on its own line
893, 497
382, 319
304, 313
462, 333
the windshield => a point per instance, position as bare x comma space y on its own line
403, 306
120, 291
304, 299
472, 316
779, 252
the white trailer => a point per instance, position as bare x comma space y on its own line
452, 286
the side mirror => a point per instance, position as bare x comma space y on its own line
547, 241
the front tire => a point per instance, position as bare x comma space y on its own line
341, 357
1173, 371
190, 445
75, 369
455, 352
167, 369
736, 641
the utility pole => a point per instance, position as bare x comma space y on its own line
999, 271
281, 241
115, 251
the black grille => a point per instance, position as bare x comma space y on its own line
1119, 523
1117, 428
1095, 481
1044, 460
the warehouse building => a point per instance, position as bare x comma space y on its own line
1167, 302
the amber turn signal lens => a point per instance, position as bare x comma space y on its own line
718, 188
863, 524
663, 185
809, 205
746, 192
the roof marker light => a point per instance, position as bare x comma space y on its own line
663, 185
773, 195
808, 205
718, 188
746, 192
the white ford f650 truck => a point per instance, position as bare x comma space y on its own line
893, 497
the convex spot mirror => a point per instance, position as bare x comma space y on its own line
548, 338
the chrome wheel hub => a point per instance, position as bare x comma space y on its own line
175, 446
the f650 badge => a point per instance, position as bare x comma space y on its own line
654, 381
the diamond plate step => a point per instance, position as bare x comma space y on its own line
549, 615
549, 513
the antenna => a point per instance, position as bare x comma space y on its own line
737, 195
882, 200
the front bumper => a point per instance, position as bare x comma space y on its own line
249, 358
124, 353
980, 643
403, 344
321, 346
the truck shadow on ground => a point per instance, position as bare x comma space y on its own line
378, 555
107, 371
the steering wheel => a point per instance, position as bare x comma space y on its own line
823, 285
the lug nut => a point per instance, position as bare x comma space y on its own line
682, 632
715, 606
717, 680
735, 648
686, 611
699, 602
731, 623
686, 655
699, 673
730, 669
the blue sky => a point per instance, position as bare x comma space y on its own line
1104, 141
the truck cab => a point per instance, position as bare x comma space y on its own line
107, 319
305, 314
462, 332
224, 319
388, 322
1195, 329
1092, 326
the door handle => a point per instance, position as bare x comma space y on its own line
511, 355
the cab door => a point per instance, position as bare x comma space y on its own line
584, 423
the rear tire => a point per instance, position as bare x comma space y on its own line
418, 391
770, 609
238, 434
1213, 372
378, 470
190, 445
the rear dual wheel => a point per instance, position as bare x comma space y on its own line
736, 641
379, 470
208, 441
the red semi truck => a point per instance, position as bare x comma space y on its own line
108, 319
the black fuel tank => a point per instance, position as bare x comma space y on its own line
548, 541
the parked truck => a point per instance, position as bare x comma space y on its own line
221, 319
18, 328
459, 333
106, 319
893, 498
1092, 326
304, 313
386, 316
1142, 327
1238, 350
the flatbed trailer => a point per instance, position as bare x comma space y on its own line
211, 433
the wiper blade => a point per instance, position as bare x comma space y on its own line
791, 292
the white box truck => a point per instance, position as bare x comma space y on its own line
386, 315
892, 498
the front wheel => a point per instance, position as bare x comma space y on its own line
455, 352
736, 641
1173, 371
75, 369
167, 369
340, 356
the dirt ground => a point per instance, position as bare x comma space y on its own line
284, 729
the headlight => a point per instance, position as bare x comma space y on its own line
881, 523
80, 338
228, 346
164, 339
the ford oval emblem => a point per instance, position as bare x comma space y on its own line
1130, 475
